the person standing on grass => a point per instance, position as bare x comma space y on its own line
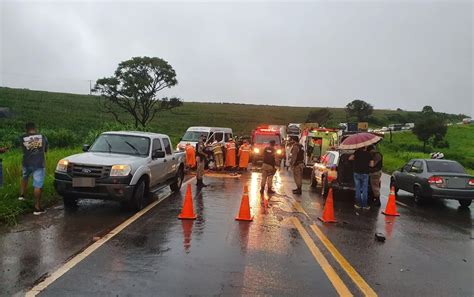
34, 147
375, 173
2, 150
362, 163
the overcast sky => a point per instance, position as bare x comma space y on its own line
404, 54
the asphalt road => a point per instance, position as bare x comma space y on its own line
285, 251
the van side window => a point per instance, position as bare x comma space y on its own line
156, 145
167, 145
218, 136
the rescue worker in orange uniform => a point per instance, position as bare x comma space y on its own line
230, 154
244, 155
190, 156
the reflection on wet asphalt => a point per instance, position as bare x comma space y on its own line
428, 249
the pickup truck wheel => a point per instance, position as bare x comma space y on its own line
138, 200
178, 181
314, 183
465, 203
70, 202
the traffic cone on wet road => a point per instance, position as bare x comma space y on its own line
244, 213
391, 208
187, 213
328, 213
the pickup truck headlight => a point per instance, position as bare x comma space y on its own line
256, 150
120, 170
62, 166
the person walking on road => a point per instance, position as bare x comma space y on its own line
230, 154
362, 163
34, 147
297, 165
375, 175
200, 161
244, 155
2, 150
218, 155
268, 168
190, 156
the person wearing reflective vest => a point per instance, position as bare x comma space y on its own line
230, 154
218, 155
244, 155
190, 156
375, 174
297, 165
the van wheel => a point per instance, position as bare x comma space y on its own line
465, 203
178, 181
138, 200
324, 187
314, 183
70, 202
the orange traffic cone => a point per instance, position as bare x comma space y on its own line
391, 208
244, 213
187, 213
328, 213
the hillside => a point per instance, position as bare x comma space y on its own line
81, 114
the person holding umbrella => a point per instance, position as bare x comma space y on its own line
362, 163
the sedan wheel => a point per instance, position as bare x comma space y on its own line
314, 183
418, 198
324, 186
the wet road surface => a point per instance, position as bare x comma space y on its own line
428, 250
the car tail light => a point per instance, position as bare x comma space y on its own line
436, 180
471, 182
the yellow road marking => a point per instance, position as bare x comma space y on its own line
336, 281
90, 249
353, 274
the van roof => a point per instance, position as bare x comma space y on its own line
207, 129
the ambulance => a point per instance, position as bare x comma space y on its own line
316, 142
261, 138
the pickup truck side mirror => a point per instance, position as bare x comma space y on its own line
86, 147
158, 154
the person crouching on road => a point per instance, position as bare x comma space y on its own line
190, 156
244, 155
268, 168
230, 154
297, 165
201, 161
362, 162
218, 155
375, 173
34, 147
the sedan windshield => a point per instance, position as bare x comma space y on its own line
445, 166
262, 138
122, 144
193, 136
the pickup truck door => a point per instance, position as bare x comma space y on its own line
157, 166
170, 159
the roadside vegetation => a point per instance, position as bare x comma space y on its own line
70, 120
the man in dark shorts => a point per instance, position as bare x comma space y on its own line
362, 163
34, 147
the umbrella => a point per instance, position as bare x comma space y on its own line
359, 140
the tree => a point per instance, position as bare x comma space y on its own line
430, 125
133, 89
321, 116
427, 109
359, 109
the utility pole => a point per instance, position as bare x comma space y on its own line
90, 86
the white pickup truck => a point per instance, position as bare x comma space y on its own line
120, 166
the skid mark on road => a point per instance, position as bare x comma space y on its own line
90, 249
336, 281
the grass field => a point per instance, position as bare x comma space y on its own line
70, 120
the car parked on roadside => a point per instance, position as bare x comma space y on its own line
435, 179
120, 166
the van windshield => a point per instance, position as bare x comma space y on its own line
262, 138
194, 135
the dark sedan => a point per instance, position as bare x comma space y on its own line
439, 179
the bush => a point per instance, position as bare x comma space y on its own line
61, 138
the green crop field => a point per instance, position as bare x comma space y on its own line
70, 120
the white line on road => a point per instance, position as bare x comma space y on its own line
401, 203
90, 249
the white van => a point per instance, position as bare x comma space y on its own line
192, 135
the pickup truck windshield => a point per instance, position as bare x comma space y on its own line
193, 136
262, 138
122, 144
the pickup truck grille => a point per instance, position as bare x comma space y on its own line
79, 170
